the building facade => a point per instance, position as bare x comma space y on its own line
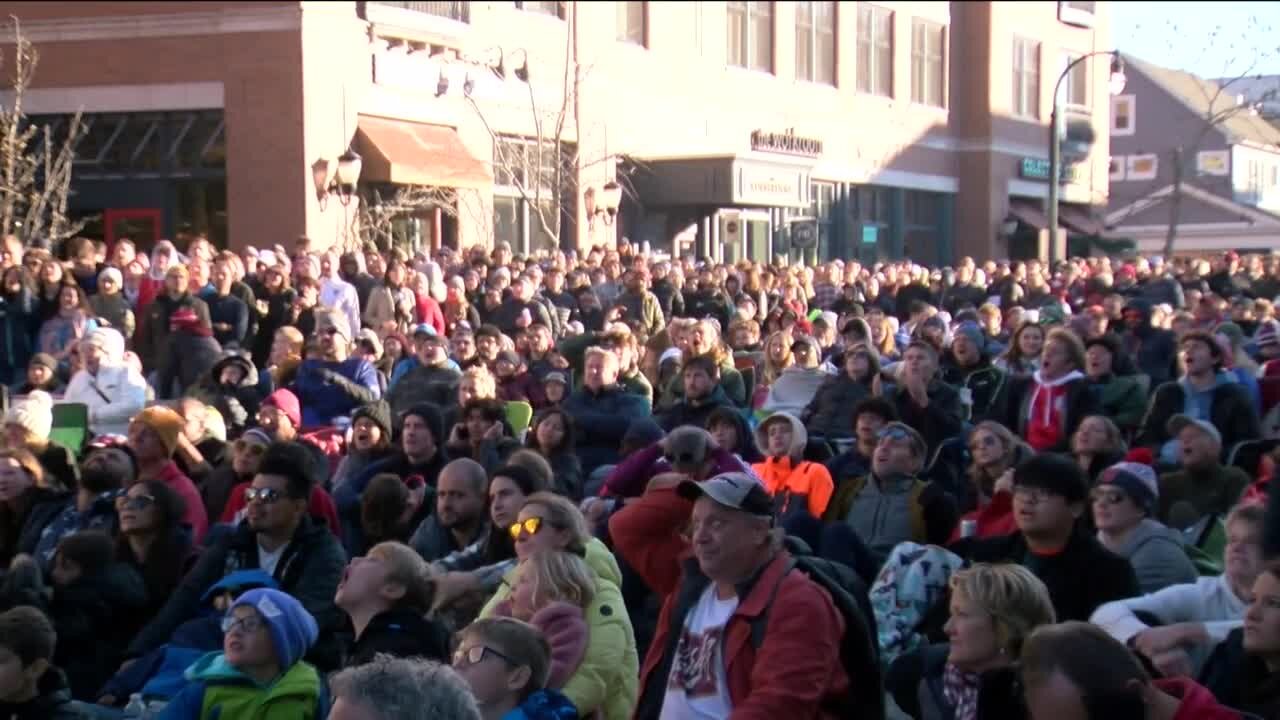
1177, 135
726, 129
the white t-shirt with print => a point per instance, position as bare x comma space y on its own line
697, 688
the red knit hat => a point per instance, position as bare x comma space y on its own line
287, 403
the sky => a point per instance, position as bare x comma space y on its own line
1210, 39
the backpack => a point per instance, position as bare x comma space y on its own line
865, 698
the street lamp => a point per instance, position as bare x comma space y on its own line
1055, 151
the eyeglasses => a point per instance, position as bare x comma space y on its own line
893, 433
476, 654
1033, 495
1107, 497
262, 495
251, 448
527, 527
134, 502
248, 624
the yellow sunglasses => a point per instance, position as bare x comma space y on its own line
528, 526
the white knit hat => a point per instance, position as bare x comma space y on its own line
34, 413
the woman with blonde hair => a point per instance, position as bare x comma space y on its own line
994, 451
994, 608
551, 593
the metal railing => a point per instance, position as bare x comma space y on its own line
460, 11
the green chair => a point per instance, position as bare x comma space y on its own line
70, 426
519, 415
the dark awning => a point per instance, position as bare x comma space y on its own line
1029, 212
1080, 219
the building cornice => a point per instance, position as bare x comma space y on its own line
246, 18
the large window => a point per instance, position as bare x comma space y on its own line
1122, 120
531, 206
816, 42
1026, 78
551, 7
632, 22
751, 35
188, 143
460, 11
1075, 87
875, 50
928, 63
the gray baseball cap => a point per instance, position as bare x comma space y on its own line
1178, 422
736, 490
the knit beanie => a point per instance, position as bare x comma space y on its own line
1266, 336
44, 360
164, 422
114, 275
379, 412
1136, 480
286, 402
430, 415
971, 332
293, 629
34, 413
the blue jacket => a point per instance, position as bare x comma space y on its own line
324, 399
544, 705
600, 420
284, 699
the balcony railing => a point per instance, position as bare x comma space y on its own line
460, 11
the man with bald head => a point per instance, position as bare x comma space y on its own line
460, 518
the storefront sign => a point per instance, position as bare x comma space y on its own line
785, 143
1213, 162
1030, 168
770, 187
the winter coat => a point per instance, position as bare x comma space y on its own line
237, 404
1210, 491
695, 413
916, 682
730, 381
794, 483
60, 332
195, 516
152, 343
436, 385
630, 477
544, 705
830, 412
113, 396
605, 681
797, 666
114, 311
1231, 411
230, 310
387, 304
52, 701
218, 691
279, 308
1080, 578
1154, 350
1120, 398
188, 360
309, 569
984, 383
398, 632
645, 309
96, 616
601, 419
1240, 680
19, 323
942, 419
433, 541
565, 628
566, 472
348, 496
1016, 411
794, 389
328, 390
1157, 556
887, 512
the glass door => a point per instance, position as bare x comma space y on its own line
141, 225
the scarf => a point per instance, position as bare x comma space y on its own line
961, 690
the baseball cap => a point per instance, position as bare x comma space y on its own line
1180, 421
424, 329
736, 490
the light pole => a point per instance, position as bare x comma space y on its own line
1055, 149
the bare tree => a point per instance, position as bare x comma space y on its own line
35, 167
374, 222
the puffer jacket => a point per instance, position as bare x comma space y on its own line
1154, 350
606, 679
1121, 399
984, 382
601, 419
218, 691
52, 701
794, 483
114, 395
830, 413
794, 389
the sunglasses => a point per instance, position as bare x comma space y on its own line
248, 624
475, 654
525, 528
262, 495
134, 502
893, 433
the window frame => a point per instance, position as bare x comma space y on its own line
1131, 127
623, 20
750, 15
868, 75
922, 55
1071, 14
1026, 49
539, 9
1069, 85
813, 31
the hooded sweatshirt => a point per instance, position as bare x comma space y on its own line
1157, 556
1047, 411
793, 482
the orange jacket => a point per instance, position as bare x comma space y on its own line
791, 481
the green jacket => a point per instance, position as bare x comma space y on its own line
730, 381
608, 677
218, 691
1123, 400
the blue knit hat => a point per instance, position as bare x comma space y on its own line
293, 630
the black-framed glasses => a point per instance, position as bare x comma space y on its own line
134, 502
262, 495
475, 655
249, 624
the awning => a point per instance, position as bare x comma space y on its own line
1029, 213
1079, 219
406, 153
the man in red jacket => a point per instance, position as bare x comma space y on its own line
730, 570
1076, 671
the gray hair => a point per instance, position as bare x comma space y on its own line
394, 688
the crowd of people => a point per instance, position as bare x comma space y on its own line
306, 483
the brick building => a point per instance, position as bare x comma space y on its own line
735, 129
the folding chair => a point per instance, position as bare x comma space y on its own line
70, 426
